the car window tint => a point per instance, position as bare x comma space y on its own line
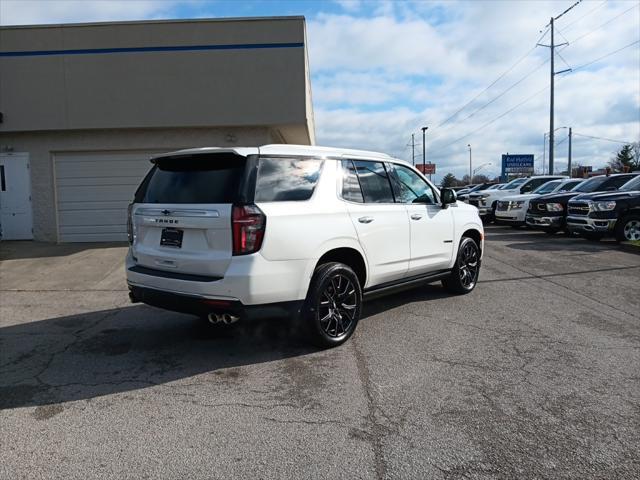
200, 178
374, 182
286, 179
616, 182
410, 187
351, 190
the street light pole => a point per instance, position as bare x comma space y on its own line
424, 149
569, 155
470, 169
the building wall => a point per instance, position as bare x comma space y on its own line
200, 73
43, 146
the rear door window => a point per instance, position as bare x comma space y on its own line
201, 178
351, 190
286, 179
374, 181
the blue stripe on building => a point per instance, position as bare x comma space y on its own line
185, 48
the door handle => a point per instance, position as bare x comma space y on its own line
416, 216
365, 219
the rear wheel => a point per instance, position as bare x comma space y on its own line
628, 228
464, 274
333, 305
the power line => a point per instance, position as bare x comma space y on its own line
602, 138
508, 89
529, 98
602, 25
604, 56
500, 77
491, 121
568, 9
569, 25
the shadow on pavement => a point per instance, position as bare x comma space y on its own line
99, 353
18, 249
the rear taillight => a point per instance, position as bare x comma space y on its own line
248, 223
130, 232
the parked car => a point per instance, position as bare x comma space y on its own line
488, 201
242, 233
464, 196
616, 214
512, 210
549, 212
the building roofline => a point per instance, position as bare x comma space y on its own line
151, 22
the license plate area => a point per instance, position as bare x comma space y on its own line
171, 237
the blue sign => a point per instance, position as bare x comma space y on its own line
517, 165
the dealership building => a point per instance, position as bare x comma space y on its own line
84, 106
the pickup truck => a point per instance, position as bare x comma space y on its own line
487, 201
616, 214
549, 212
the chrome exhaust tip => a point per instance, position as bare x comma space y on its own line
214, 318
229, 319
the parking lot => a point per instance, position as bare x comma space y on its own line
533, 375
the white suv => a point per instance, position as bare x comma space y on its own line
229, 234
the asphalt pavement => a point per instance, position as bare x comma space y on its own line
536, 374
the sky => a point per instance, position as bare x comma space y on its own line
469, 70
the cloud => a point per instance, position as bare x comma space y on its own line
25, 12
382, 69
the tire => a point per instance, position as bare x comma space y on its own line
628, 228
468, 260
333, 305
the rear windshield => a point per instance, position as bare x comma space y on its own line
201, 178
286, 179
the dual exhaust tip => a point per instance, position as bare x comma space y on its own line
226, 318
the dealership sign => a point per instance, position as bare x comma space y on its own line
517, 164
427, 168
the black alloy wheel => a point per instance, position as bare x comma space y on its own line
464, 275
333, 305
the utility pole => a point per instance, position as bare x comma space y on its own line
424, 149
551, 134
544, 151
470, 171
569, 156
553, 73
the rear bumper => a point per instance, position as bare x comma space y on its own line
249, 279
586, 224
544, 221
202, 306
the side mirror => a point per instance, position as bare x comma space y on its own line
525, 189
448, 196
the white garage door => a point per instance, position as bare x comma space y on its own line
93, 191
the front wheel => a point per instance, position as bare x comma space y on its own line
464, 274
628, 228
333, 305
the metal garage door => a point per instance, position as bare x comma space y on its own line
93, 191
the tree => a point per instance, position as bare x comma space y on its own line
449, 180
626, 157
480, 179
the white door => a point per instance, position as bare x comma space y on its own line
93, 190
381, 224
15, 197
431, 225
